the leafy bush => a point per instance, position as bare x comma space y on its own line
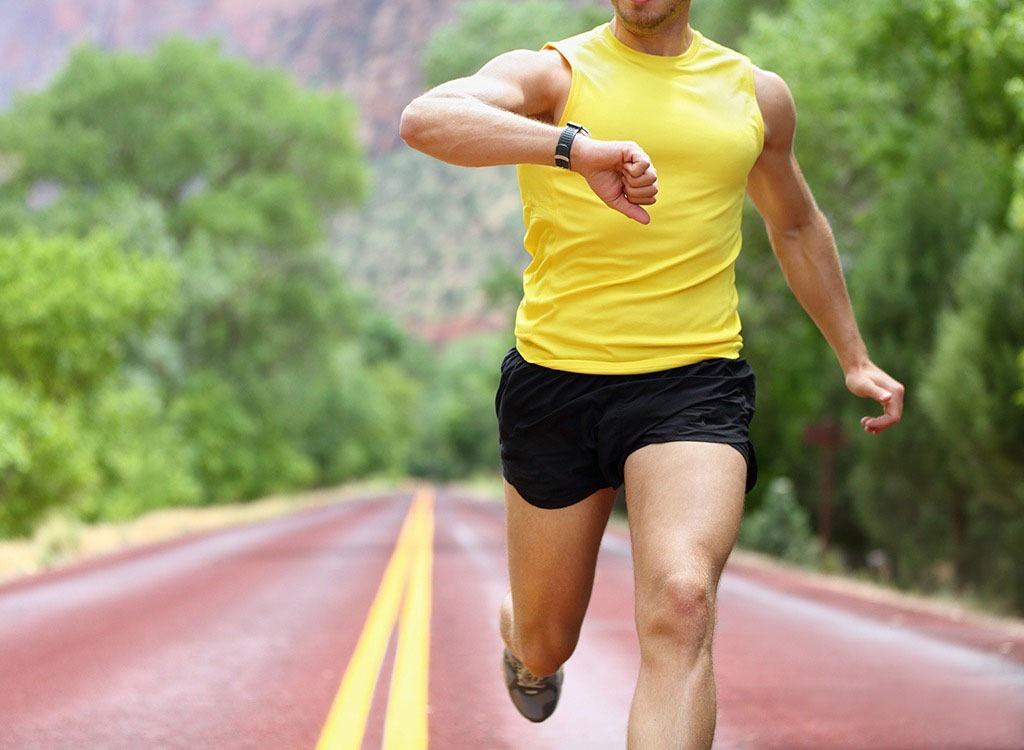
69, 308
780, 526
43, 460
142, 458
457, 432
1020, 393
362, 417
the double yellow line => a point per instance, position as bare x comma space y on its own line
408, 572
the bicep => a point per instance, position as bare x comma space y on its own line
776, 184
528, 83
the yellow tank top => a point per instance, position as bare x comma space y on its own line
605, 294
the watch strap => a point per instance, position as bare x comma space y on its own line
564, 146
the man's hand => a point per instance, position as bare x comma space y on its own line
868, 381
619, 173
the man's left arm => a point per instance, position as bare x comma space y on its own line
803, 243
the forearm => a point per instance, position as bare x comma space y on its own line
810, 263
461, 129
453, 124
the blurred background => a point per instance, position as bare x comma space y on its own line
222, 275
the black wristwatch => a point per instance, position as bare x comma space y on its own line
572, 129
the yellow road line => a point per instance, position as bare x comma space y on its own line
346, 721
405, 726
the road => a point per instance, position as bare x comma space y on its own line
273, 635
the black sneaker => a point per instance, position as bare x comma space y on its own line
535, 697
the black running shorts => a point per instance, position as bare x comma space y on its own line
566, 435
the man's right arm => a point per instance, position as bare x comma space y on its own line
507, 112
504, 114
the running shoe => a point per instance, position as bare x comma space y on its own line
535, 697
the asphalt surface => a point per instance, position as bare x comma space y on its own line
240, 639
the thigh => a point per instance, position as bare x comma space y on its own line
685, 503
552, 554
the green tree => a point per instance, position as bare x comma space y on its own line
68, 309
142, 458
780, 526
43, 460
1020, 393
216, 141
966, 390
219, 177
457, 426
727, 21
69, 312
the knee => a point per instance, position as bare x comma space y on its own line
546, 646
678, 608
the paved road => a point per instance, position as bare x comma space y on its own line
250, 638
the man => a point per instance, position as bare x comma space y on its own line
626, 368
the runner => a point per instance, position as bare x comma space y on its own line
636, 144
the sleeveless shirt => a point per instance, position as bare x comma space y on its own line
606, 294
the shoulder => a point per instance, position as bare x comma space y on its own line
524, 64
539, 81
778, 110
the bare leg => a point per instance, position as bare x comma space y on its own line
685, 503
551, 559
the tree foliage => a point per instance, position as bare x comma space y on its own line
196, 348
69, 310
1020, 393
780, 526
423, 249
212, 139
459, 428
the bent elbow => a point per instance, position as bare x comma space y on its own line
413, 125
408, 127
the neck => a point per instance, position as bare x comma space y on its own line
668, 39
